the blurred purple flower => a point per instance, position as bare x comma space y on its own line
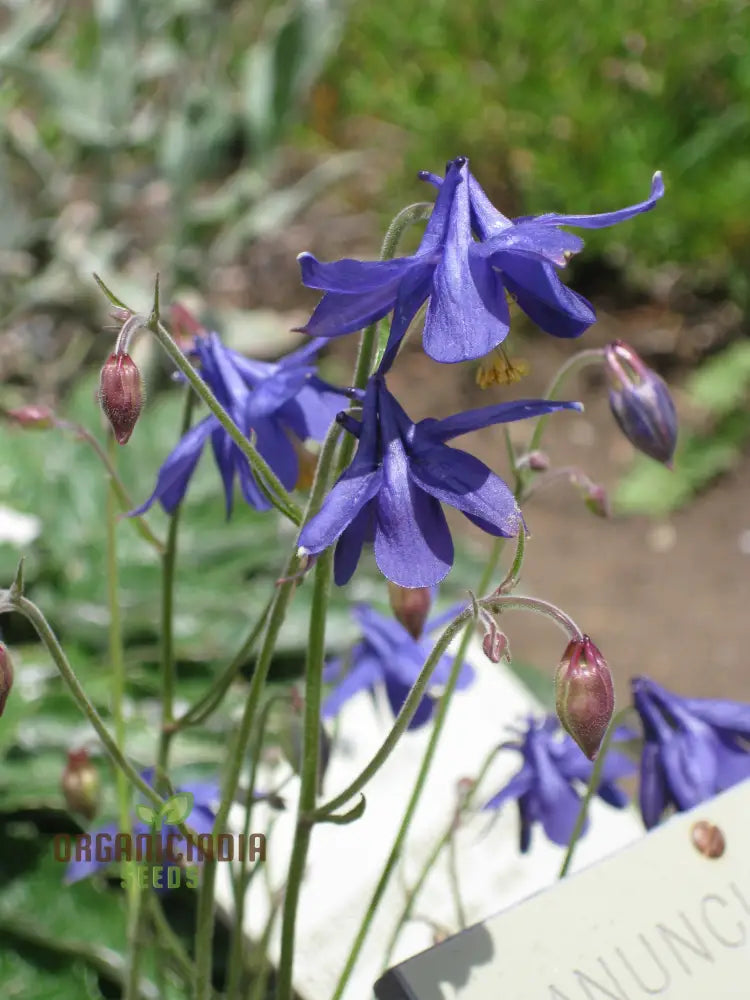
547, 786
200, 819
693, 748
275, 401
401, 473
464, 281
387, 654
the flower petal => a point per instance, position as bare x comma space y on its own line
468, 313
461, 480
347, 497
728, 716
553, 306
174, 475
351, 277
364, 674
530, 239
485, 416
337, 314
519, 784
397, 693
274, 446
412, 293
607, 218
652, 787
351, 542
413, 546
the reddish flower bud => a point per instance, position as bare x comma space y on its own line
595, 497
410, 606
6, 675
80, 784
640, 402
121, 394
538, 461
33, 417
584, 694
495, 644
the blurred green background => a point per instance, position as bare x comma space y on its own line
212, 141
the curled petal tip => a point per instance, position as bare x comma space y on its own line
657, 185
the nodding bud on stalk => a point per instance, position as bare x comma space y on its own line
495, 644
640, 402
32, 417
584, 694
121, 394
410, 606
6, 675
594, 496
80, 784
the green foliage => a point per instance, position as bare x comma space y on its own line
718, 391
564, 107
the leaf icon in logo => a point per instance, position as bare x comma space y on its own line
177, 808
146, 814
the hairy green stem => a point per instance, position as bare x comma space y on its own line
589, 356
437, 728
431, 859
241, 882
310, 765
591, 789
17, 602
237, 750
125, 501
169, 560
213, 697
117, 669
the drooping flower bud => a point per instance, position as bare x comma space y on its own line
640, 402
121, 394
584, 694
6, 675
32, 417
594, 496
80, 784
410, 606
495, 644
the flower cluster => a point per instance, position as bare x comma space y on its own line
464, 280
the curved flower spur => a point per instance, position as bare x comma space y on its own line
402, 472
464, 281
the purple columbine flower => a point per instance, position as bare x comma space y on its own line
276, 401
465, 281
693, 748
554, 772
387, 654
402, 472
200, 819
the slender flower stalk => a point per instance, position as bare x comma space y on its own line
310, 766
117, 667
582, 359
10, 601
431, 860
440, 715
591, 789
124, 500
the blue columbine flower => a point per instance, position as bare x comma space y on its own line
465, 281
693, 748
401, 473
547, 788
275, 401
200, 820
387, 654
